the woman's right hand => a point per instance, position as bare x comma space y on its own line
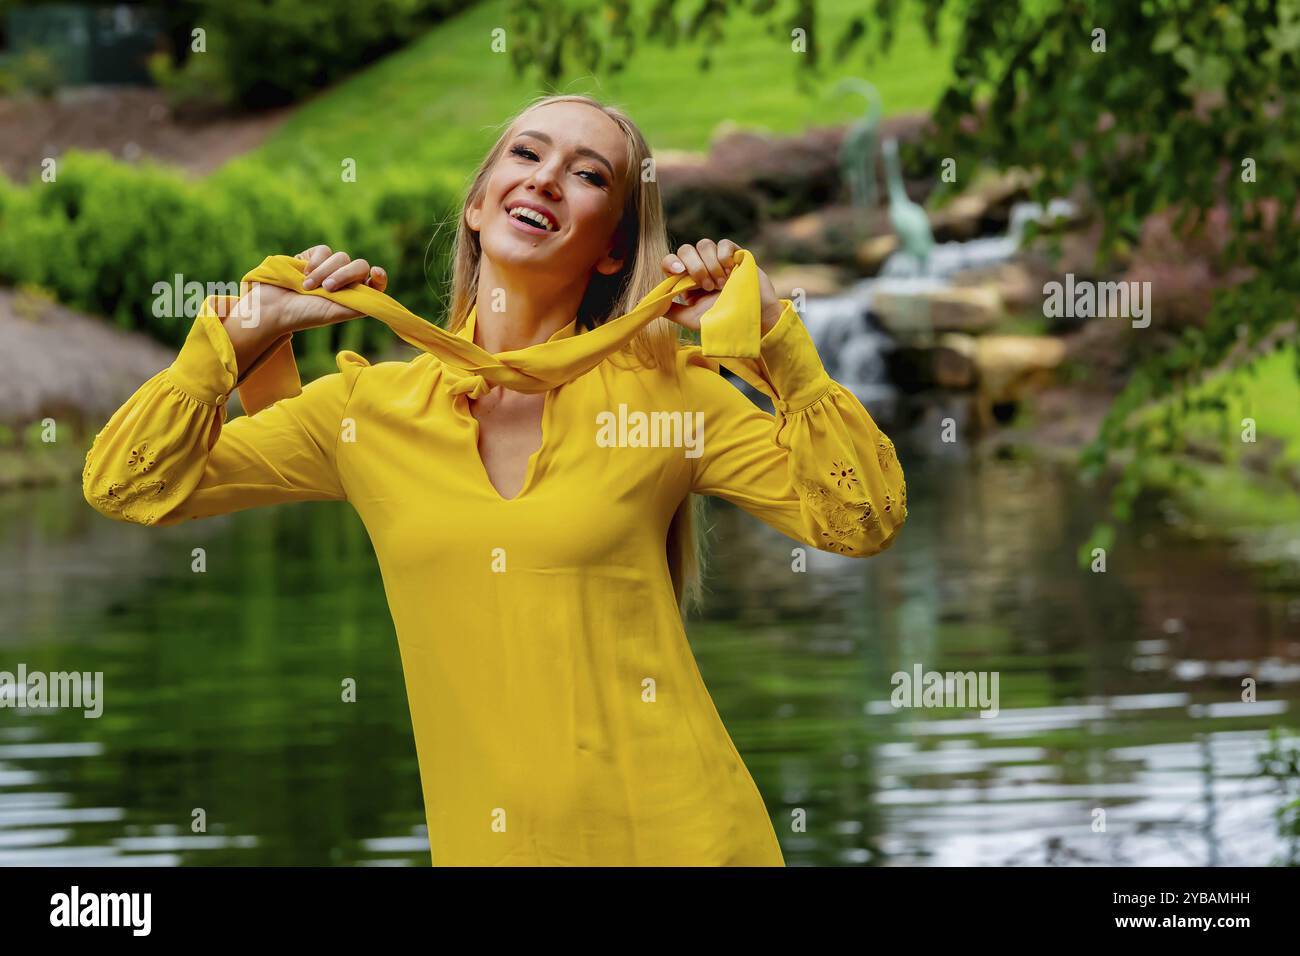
291, 311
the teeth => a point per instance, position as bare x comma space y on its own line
532, 215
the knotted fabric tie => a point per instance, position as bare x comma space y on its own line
729, 330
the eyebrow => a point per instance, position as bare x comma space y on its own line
582, 150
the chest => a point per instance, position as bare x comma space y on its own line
509, 434
437, 477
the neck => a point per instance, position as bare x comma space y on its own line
533, 310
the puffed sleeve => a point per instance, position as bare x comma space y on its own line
820, 470
168, 453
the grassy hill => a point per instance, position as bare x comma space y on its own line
437, 103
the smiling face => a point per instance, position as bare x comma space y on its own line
555, 196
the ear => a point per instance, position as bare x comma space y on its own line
474, 214
612, 262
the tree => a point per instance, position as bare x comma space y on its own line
1148, 105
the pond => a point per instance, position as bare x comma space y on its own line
1121, 736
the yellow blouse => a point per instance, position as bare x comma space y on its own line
558, 713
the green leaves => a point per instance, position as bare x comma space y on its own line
1206, 72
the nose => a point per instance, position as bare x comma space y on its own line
545, 176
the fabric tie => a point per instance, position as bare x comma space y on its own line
730, 329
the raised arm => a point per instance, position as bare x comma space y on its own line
820, 470
168, 453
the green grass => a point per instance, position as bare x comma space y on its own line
1228, 494
1267, 391
436, 103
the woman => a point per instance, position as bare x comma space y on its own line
536, 544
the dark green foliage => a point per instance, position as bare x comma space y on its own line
103, 234
1164, 118
277, 53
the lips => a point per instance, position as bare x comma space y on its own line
536, 218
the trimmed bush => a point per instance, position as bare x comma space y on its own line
109, 238
277, 53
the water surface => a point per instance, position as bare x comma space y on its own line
1119, 692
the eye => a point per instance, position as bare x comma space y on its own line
524, 152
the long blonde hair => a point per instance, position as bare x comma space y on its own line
642, 240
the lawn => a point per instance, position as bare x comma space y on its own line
1267, 391
436, 103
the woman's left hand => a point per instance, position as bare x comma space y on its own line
710, 264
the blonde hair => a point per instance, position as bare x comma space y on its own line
642, 242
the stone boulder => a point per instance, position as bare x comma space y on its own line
948, 364
1012, 367
832, 235
932, 311
814, 280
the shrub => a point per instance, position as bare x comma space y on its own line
276, 53
103, 235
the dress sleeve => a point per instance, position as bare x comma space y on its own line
168, 453
819, 470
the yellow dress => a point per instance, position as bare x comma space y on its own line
558, 714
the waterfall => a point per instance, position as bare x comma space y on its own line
852, 343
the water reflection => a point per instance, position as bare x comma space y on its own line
1119, 692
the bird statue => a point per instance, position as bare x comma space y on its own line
909, 220
858, 150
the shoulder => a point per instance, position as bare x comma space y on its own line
393, 389
670, 377
393, 373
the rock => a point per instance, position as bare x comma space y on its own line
954, 361
958, 220
983, 209
970, 309
813, 280
923, 368
1019, 282
698, 201
832, 235
672, 159
791, 174
67, 366
1011, 366
872, 253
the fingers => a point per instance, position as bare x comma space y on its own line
315, 255
358, 270
335, 270
707, 262
317, 273
727, 254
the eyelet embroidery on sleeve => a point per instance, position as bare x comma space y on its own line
844, 475
121, 498
845, 522
141, 458
885, 452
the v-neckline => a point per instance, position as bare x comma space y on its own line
461, 403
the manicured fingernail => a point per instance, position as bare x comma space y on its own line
329, 283
307, 283
677, 267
